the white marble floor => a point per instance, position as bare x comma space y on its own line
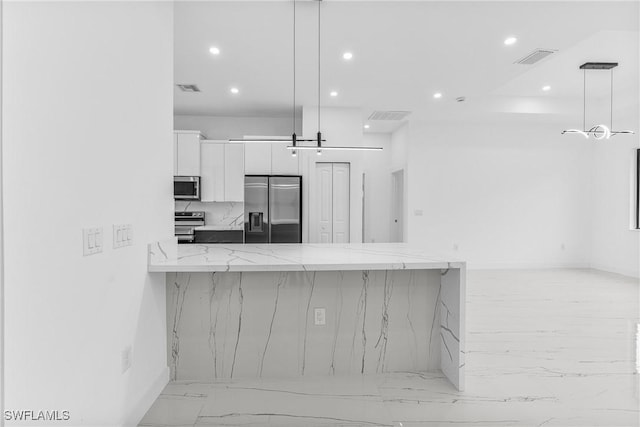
545, 348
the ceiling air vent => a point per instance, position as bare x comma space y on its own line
188, 88
535, 56
389, 115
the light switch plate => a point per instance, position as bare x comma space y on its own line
122, 235
92, 241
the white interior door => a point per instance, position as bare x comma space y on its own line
397, 206
324, 179
333, 202
341, 203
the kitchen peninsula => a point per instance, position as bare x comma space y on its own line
282, 310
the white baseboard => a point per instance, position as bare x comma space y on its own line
140, 408
526, 265
622, 271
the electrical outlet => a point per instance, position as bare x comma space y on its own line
126, 359
562, 247
455, 247
122, 235
418, 212
320, 316
92, 242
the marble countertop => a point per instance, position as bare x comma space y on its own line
168, 256
219, 228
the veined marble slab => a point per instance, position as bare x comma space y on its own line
261, 324
248, 310
168, 256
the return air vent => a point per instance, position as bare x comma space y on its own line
535, 56
188, 88
389, 115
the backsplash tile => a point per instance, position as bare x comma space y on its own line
216, 213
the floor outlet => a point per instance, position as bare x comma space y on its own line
320, 316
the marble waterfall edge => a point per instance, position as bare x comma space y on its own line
250, 324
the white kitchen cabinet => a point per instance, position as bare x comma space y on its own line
282, 162
212, 172
234, 172
222, 172
257, 158
264, 158
187, 153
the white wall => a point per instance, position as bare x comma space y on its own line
399, 143
215, 127
87, 112
399, 161
505, 195
614, 245
377, 169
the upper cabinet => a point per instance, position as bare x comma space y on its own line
264, 158
212, 168
234, 172
282, 162
221, 172
186, 153
257, 158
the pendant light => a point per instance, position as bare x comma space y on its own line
600, 131
294, 147
319, 147
294, 139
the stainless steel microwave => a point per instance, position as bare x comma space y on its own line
186, 187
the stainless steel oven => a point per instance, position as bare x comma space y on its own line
186, 187
185, 223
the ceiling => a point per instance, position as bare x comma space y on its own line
404, 52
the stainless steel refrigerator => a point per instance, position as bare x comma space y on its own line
272, 209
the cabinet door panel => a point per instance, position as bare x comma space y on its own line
234, 172
188, 154
282, 162
257, 158
212, 176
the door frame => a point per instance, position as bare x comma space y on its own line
395, 229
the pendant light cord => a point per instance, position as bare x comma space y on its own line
611, 118
294, 68
319, 1
584, 99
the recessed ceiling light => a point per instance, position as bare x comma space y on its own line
234, 90
437, 95
214, 50
347, 55
546, 88
510, 40
367, 126
334, 93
